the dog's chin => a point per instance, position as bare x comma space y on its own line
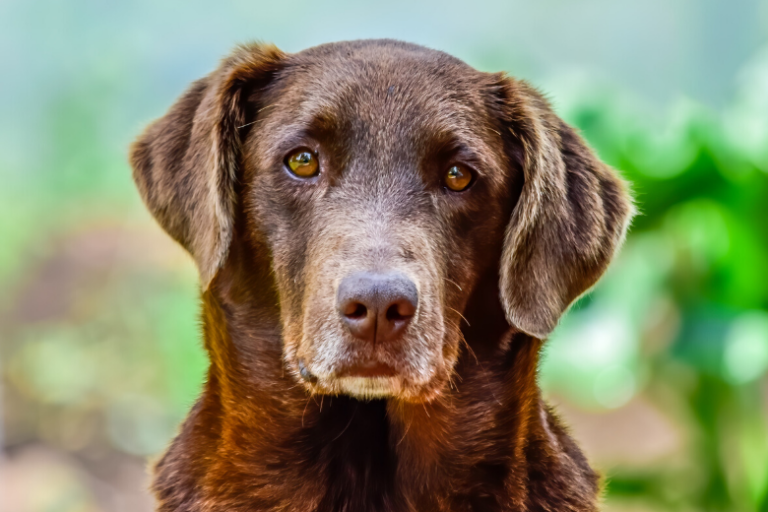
393, 387
369, 388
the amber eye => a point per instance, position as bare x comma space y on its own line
458, 178
302, 163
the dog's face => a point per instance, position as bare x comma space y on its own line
382, 186
384, 179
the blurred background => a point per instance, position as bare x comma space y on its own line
661, 371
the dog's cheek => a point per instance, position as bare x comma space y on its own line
433, 354
322, 342
292, 332
318, 330
287, 247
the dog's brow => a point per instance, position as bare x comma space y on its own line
451, 143
313, 122
324, 120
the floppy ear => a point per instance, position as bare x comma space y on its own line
185, 164
570, 218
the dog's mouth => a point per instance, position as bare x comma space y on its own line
367, 380
372, 378
367, 369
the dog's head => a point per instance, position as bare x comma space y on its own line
383, 179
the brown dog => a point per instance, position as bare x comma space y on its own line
384, 237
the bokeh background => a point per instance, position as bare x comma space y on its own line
661, 371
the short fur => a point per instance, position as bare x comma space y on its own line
462, 425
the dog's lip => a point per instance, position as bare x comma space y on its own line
367, 369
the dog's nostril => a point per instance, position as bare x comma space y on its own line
399, 311
393, 313
355, 310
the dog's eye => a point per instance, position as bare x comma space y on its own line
302, 163
458, 178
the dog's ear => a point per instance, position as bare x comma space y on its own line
186, 163
570, 218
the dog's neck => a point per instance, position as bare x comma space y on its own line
257, 441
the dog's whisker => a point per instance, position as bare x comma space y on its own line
496, 399
452, 382
464, 342
305, 410
454, 283
247, 124
462, 316
407, 428
348, 424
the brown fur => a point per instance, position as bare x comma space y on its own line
461, 426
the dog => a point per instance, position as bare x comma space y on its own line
384, 236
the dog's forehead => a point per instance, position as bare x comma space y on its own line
373, 65
384, 85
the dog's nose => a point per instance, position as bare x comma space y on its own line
376, 307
